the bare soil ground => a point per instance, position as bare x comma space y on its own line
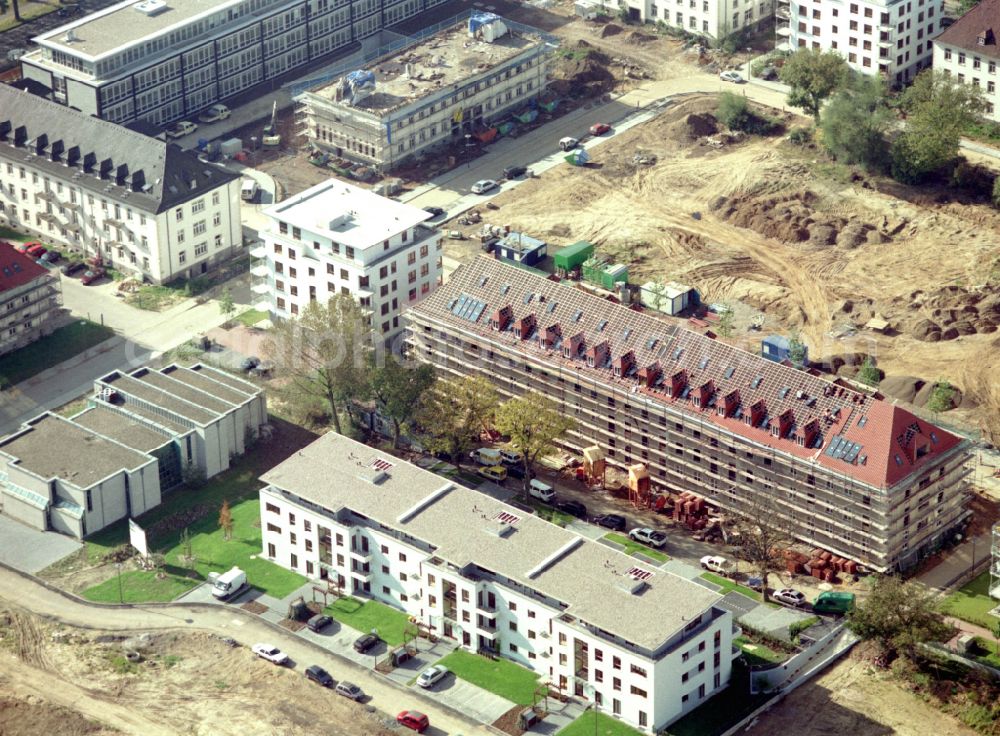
56, 680
853, 698
813, 246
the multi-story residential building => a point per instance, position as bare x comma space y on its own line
141, 434
457, 82
161, 60
967, 51
147, 207
336, 238
891, 38
29, 298
842, 470
647, 645
714, 19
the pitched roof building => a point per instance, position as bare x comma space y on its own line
144, 205
855, 475
29, 297
967, 51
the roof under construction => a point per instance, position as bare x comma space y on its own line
442, 61
794, 412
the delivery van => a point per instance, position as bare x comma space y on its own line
541, 491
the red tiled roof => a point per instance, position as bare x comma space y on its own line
832, 425
17, 269
982, 21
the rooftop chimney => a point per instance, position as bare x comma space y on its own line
809, 433
548, 337
786, 420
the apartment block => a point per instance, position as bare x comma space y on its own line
336, 238
138, 438
647, 645
714, 19
845, 471
888, 38
460, 81
162, 60
30, 296
145, 206
967, 51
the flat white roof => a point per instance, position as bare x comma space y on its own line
347, 214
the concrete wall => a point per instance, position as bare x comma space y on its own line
21, 510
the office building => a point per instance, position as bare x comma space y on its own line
712, 19
163, 60
842, 470
458, 82
140, 436
146, 207
888, 38
647, 645
30, 296
967, 52
336, 238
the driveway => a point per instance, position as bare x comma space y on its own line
30, 550
471, 699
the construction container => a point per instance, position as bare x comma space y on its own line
779, 349
598, 271
573, 256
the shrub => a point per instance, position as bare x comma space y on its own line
800, 136
734, 112
996, 192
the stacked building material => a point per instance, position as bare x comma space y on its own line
691, 510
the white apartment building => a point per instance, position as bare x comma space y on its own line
460, 81
145, 206
30, 296
713, 19
967, 51
891, 38
336, 238
162, 60
647, 645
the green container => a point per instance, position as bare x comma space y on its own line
614, 274
573, 255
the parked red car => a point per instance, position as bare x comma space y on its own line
91, 276
37, 250
599, 128
23, 247
413, 719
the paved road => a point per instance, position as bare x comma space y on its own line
23, 592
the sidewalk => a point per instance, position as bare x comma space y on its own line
957, 563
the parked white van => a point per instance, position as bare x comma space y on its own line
541, 491
486, 456
249, 190
511, 457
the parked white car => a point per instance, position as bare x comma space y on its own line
648, 536
790, 597
568, 143
731, 76
716, 564
181, 129
483, 186
432, 676
270, 652
214, 113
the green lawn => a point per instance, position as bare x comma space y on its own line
367, 615
758, 653
632, 547
972, 602
500, 676
138, 586
986, 652
251, 317
28, 10
51, 350
5, 232
605, 726
727, 586
154, 297
544, 511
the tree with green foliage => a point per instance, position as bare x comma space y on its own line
725, 324
868, 373
733, 111
996, 192
796, 349
226, 304
942, 397
813, 76
187, 548
532, 424
226, 520
323, 355
453, 412
964, 6
938, 110
856, 122
899, 616
398, 389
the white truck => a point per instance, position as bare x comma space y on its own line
230, 584
486, 456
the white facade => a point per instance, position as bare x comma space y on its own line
337, 238
967, 52
161, 61
453, 84
647, 645
714, 19
892, 39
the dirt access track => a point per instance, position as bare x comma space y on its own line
772, 225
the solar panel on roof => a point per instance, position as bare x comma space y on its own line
16, 267
845, 448
852, 455
452, 303
834, 444
863, 420
729, 372
478, 313
459, 303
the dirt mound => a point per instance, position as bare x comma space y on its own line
951, 312
610, 30
904, 388
640, 37
583, 73
692, 126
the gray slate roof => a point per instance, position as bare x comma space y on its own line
152, 174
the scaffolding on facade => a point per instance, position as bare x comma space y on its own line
995, 562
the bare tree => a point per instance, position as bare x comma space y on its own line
761, 535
